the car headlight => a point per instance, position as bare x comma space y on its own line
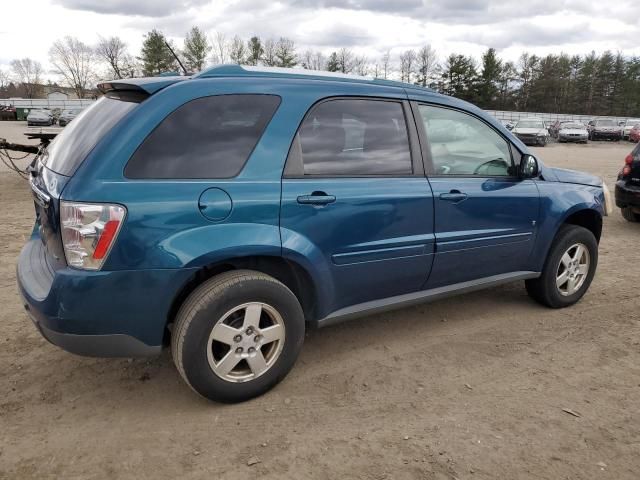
608, 203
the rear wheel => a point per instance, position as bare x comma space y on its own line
629, 215
237, 335
568, 269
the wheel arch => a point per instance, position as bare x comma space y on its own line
289, 272
588, 218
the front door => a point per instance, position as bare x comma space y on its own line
485, 216
354, 201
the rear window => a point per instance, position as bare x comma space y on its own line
210, 137
69, 148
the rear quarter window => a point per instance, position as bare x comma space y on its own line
73, 144
209, 137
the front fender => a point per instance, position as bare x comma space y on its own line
558, 201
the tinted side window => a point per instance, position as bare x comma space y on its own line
210, 137
355, 137
463, 145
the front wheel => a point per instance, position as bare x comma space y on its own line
568, 269
237, 335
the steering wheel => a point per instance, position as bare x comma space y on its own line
497, 162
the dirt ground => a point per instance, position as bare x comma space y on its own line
472, 387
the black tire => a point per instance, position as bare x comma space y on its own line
208, 304
543, 289
629, 215
543, 142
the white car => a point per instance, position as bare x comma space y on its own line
40, 117
628, 125
531, 131
573, 132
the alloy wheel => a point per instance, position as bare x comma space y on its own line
573, 269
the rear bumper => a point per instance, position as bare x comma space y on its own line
98, 314
627, 196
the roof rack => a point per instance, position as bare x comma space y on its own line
279, 72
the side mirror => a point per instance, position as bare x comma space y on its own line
528, 167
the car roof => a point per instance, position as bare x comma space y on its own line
299, 73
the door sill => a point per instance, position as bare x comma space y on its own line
423, 296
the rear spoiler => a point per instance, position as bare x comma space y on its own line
147, 86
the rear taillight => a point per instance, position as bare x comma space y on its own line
89, 230
626, 170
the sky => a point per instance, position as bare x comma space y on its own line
369, 27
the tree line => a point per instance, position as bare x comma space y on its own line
590, 84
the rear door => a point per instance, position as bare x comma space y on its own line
485, 216
354, 191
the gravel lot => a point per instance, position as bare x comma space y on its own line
469, 387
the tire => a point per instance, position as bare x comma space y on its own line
196, 353
543, 142
629, 215
544, 289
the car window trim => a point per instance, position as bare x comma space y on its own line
424, 140
294, 165
203, 179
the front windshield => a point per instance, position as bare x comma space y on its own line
529, 124
606, 123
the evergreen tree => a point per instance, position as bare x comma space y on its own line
255, 51
459, 77
155, 56
489, 81
196, 49
333, 65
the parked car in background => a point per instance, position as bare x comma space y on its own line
67, 115
507, 124
628, 126
531, 131
42, 117
250, 204
604, 128
634, 134
628, 186
573, 132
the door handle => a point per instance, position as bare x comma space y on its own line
316, 198
455, 196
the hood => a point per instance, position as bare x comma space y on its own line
573, 176
574, 131
530, 131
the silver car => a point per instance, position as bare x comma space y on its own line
40, 117
573, 132
67, 115
628, 125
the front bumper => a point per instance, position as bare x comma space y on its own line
572, 138
98, 314
627, 195
614, 135
531, 139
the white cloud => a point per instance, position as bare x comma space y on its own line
370, 27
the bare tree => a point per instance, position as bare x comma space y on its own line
4, 78
220, 48
28, 72
407, 65
270, 48
237, 50
346, 60
113, 51
75, 62
361, 66
285, 53
427, 64
386, 64
313, 60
